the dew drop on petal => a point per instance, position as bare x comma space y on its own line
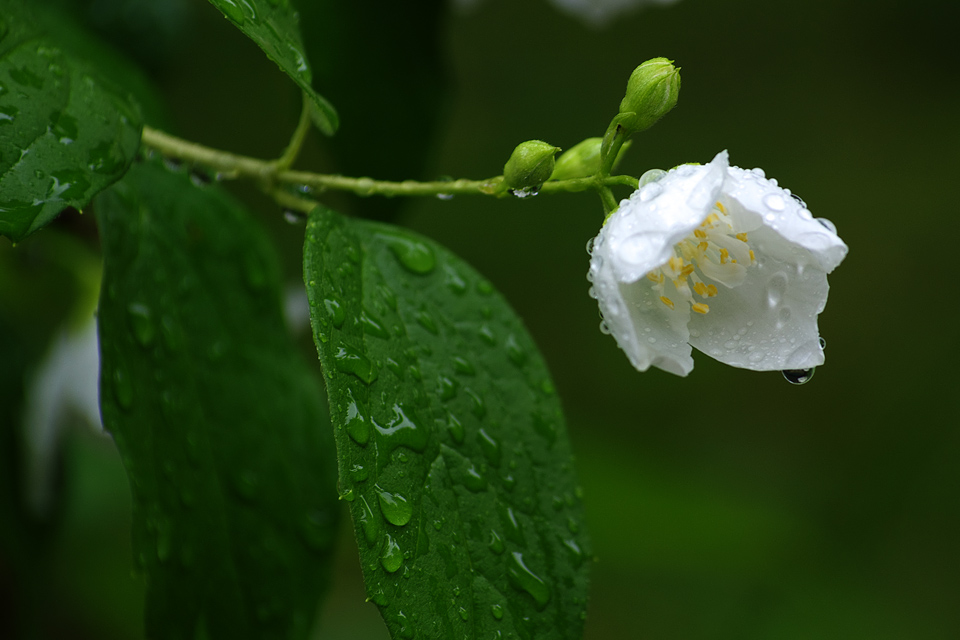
774, 201
828, 225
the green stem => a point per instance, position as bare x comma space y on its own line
286, 160
271, 173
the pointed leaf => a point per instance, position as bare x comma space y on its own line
453, 450
65, 132
274, 26
220, 424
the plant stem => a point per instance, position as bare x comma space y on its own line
290, 154
271, 173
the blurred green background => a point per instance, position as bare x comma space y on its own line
729, 504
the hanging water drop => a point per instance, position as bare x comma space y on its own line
526, 192
798, 376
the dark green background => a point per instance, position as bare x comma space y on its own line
726, 505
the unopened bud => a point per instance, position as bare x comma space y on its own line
652, 92
530, 164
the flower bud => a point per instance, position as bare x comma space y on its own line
582, 160
530, 164
652, 92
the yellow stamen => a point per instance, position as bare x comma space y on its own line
703, 246
699, 307
653, 277
742, 237
721, 207
676, 263
700, 288
667, 301
687, 270
711, 290
724, 256
753, 258
700, 233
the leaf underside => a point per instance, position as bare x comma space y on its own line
65, 132
453, 452
274, 26
221, 425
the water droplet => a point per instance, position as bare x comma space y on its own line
372, 326
456, 428
199, 178
350, 360
395, 507
484, 288
490, 447
604, 328
828, 225
356, 424
141, 323
477, 407
497, 611
368, 521
776, 286
463, 366
122, 388
514, 351
232, 11
774, 202
511, 526
590, 244
446, 387
454, 280
526, 192
650, 191
473, 479
496, 542
335, 312
444, 196
486, 334
415, 256
392, 557
425, 320
464, 614
402, 430
407, 628
799, 376
823, 343
526, 580
575, 552
358, 472
293, 217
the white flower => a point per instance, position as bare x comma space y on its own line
718, 258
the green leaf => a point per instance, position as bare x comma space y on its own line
453, 450
274, 26
220, 424
65, 132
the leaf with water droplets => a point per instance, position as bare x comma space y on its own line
275, 26
66, 133
220, 423
467, 512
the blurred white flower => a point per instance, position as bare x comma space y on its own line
595, 12
65, 384
716, 257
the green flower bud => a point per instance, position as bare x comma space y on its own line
530, 165
582, 160
651, 93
